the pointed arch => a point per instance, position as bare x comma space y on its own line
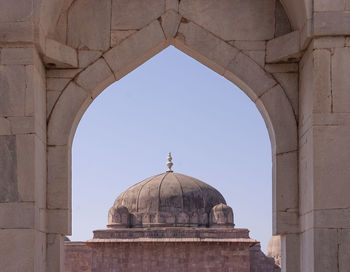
211, 51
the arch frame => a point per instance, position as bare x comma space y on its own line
83, 85
221, 57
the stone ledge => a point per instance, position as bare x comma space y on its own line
174, 240
284, 48
172, 232
59, 55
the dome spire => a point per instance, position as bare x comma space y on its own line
169, 163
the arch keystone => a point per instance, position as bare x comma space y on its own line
170, 23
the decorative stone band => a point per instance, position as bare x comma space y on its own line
176, 240
220, 215
172, 232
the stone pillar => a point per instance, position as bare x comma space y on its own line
324, 155
22, 142
22, 159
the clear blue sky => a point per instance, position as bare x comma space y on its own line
172, 103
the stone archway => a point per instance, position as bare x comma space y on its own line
308, 59
173, 27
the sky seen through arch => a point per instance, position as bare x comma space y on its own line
172, 103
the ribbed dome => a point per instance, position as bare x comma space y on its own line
168, 199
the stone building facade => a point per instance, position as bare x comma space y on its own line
169, 222
291, 57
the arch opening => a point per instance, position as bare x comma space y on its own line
173, 102
222, 57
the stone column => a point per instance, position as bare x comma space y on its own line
22, 143
22, 159
324, 155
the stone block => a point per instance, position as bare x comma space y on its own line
290, 84
56, 84
8, 166
55, 252
17, 215
332, 218
306, 34
117, 36
172, 5
96, 77
328, 42
17, 32
307, 256
326, 250
306, 79
341, 80
344, 249
282, 127
23, 125
252, 19
60, 31
205, 47
58, 221
282, 68
65, 114
59, 55
331, 23
283, 48
135, 50
322, 81
330, 166
12, 90
49, 14
239, 71
306, 173
128, 15
31, 168
347, 4
86, 57
329, 5
18, 247
257, 56
290, 246
5, 126
285, 222
20, 56
306, 221
282, 21
66, 5
285, 181
35, 102
58, 185
40, 249
89, 25
249, 45
331, 119
40, 219
51, 99
20, 11
40, 173
62, 73
170, 23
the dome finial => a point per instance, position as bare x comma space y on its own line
169, 163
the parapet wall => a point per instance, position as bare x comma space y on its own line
166, 256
